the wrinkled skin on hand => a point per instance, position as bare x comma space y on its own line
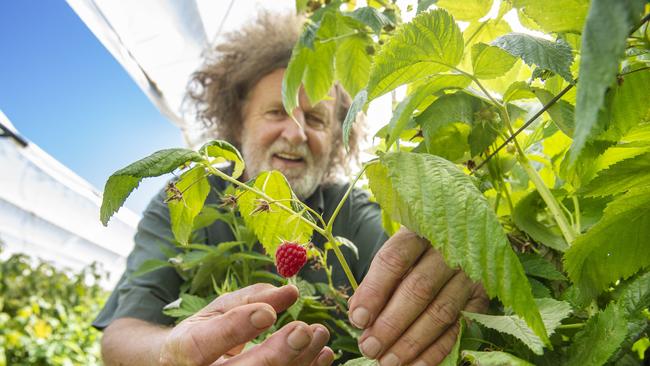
217, 334
409, 303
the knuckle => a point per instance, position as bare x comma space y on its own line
418, 287
412, 345
443, 313
393, 260
386, 327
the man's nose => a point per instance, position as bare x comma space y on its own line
294, 130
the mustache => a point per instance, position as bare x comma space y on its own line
302, 150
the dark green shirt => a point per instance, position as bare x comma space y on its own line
143, 297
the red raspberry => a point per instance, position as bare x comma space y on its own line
289, 258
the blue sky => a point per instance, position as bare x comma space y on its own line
65, 92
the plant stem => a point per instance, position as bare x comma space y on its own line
330, 224
571, 326
341, 258
576, 210
544, 192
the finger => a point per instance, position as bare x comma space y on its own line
479, 301
412, 297
325, 358
205, 340
437, 352
283, 348
434, 322
391, 263
318, 341
280, 298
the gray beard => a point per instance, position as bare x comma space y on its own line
303, 181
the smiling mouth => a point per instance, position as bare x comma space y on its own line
289, 158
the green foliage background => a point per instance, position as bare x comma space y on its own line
45, 313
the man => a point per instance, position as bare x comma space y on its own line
408, 301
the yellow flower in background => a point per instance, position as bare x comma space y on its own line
25, 312
42, 329
13, 339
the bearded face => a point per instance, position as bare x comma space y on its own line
299, 147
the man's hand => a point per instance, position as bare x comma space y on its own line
216, 334
409, 303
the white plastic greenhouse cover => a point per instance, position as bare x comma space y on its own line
160, 43
48, 211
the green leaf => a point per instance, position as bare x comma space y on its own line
450, 142
319, 66
490, 62
452, 357
494, 358
459, 107
552, 312
604, 333
372, 18
518, 90
292, 78
561, 112
353, 62
555, 16
223, 150
615, 247
483, 134
432, 197
188, 306
348, 244
526, 217
424, 5
634, 296
404, 110
312, 68
536, 266
486, 31
621, 177
603, 43
150, 265
120, 185
429, 44
305, 290
554, 56
539, 289
276, 224
630, 105
466, 10
207, 216
357, 106
361, 361
195, 188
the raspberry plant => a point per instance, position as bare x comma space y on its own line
524, 159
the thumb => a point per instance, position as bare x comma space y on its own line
212, 337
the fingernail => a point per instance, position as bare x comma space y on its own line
389, 360
360, 318
420, 363
321, 332
262, 319
370, 347
324, 359
298, 339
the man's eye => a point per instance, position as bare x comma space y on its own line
276, 113
315, 120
